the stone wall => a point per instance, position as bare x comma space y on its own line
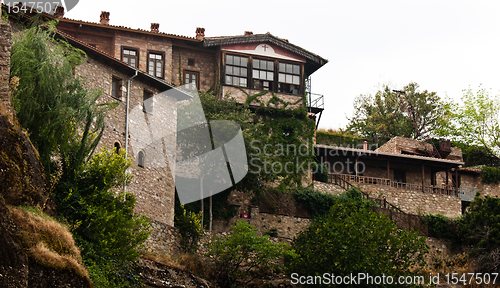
153, 184
412, 202
163, 239
5, 46
415, 202
241, 97
475, 180
204, 65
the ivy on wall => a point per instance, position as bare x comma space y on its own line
490, 175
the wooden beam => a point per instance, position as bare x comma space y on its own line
456, 181
423, 177
388, 169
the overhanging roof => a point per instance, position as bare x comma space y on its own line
312, 58
370, 153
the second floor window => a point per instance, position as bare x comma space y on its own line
191, 78
130, 56
289, 78
236, 70
155, 64
147, 103
263, 74
116, 84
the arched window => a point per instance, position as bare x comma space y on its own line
141, 159
117, 148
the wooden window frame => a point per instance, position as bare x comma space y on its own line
248, 67
197, 78
130, 49
276, 82
116, 92
144, 98
162, 54
279, 83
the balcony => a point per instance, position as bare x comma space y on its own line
315, 102
465, 193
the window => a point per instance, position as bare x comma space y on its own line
116, 84
191, 78
289, 78
190, 62
262, 74
117, 148
141, 159
155, 64
236, 70
147, 105
130, 56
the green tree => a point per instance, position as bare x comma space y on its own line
354, 239
475, 122
62, 117
103, 221
480, 229
243, 256
385, 115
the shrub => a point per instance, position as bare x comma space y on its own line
441, 227
490, 175
318, 203
243, 256
480, 229
190, 228
354, 239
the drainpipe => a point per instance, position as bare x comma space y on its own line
126, 124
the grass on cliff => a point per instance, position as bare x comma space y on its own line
46, 240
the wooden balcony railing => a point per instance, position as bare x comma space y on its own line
342, 179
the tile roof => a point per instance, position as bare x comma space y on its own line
267, 37
376, 153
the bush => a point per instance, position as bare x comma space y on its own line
318, 203
243, 256
190, 228
490, 175
480, 229
441, 227
354, 239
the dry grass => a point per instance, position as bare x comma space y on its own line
49, 242
165, 259
194, 264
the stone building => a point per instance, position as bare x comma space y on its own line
152, 123
416, 176
237, 66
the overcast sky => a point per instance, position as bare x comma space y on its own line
444, 46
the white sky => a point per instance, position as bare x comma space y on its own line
444, 46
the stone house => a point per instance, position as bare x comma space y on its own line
237, 66
416, 176
135, 90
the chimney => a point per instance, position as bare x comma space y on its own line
155, 27
247, 33
365, 145
104, 18
200, 33
59, 12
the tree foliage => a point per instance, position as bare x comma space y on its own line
384, 115
354, 239
61, 116
480, 229
475, 121
243, 256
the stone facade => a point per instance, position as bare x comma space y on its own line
191, 60
241, 97
153, 184
472, 177
412, 202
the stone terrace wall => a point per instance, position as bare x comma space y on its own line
412, 202
415, 202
